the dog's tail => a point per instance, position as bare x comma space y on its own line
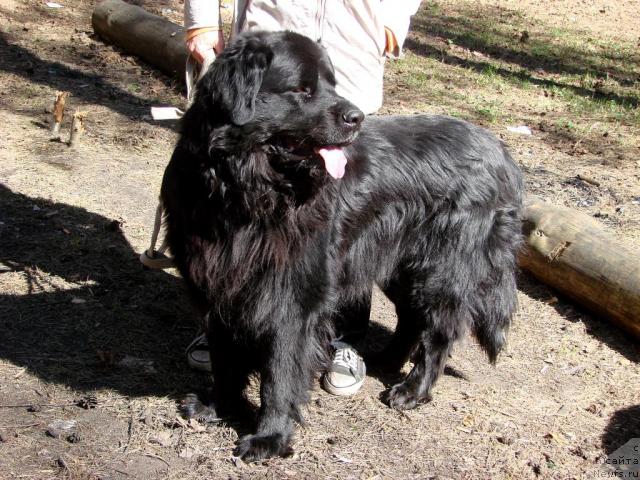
497, 296
492, 322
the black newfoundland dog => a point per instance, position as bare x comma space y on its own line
284, 205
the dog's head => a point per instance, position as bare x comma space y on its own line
279, 89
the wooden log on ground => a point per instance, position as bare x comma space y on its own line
569, 251
156, 40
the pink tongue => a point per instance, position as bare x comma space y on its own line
334, 160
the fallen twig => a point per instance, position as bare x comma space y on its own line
500, 412
29, 425
158, 457
588, 180
129, 434
87, 402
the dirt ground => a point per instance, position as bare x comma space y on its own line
89, 337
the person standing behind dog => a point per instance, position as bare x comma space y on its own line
358, 35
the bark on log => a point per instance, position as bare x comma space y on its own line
156, 40
569, 251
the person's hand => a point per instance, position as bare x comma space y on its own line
206, 45
391, 45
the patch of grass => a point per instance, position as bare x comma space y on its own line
490, 77
134, 87
557, 32
498, 32
476, 61
565, 124
490, 71
490, 113
604, 109
418, 79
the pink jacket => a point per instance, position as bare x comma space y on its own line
352, 31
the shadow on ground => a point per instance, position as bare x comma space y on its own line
89, 303
598, 328
623, 426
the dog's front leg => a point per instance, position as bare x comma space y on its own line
285, 384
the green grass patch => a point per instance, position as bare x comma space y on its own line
474, 62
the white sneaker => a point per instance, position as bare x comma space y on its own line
347, 371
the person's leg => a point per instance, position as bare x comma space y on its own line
198, 351
347, 371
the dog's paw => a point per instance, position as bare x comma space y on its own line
402, 397
192, 407
257, 447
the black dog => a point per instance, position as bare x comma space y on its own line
274, 247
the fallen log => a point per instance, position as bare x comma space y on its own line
569, 251
566, 249
156, 40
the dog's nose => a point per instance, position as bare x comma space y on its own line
353, 117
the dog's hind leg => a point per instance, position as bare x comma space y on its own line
437, 327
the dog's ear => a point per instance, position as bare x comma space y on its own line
235, 77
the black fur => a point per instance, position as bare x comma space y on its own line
276, 250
